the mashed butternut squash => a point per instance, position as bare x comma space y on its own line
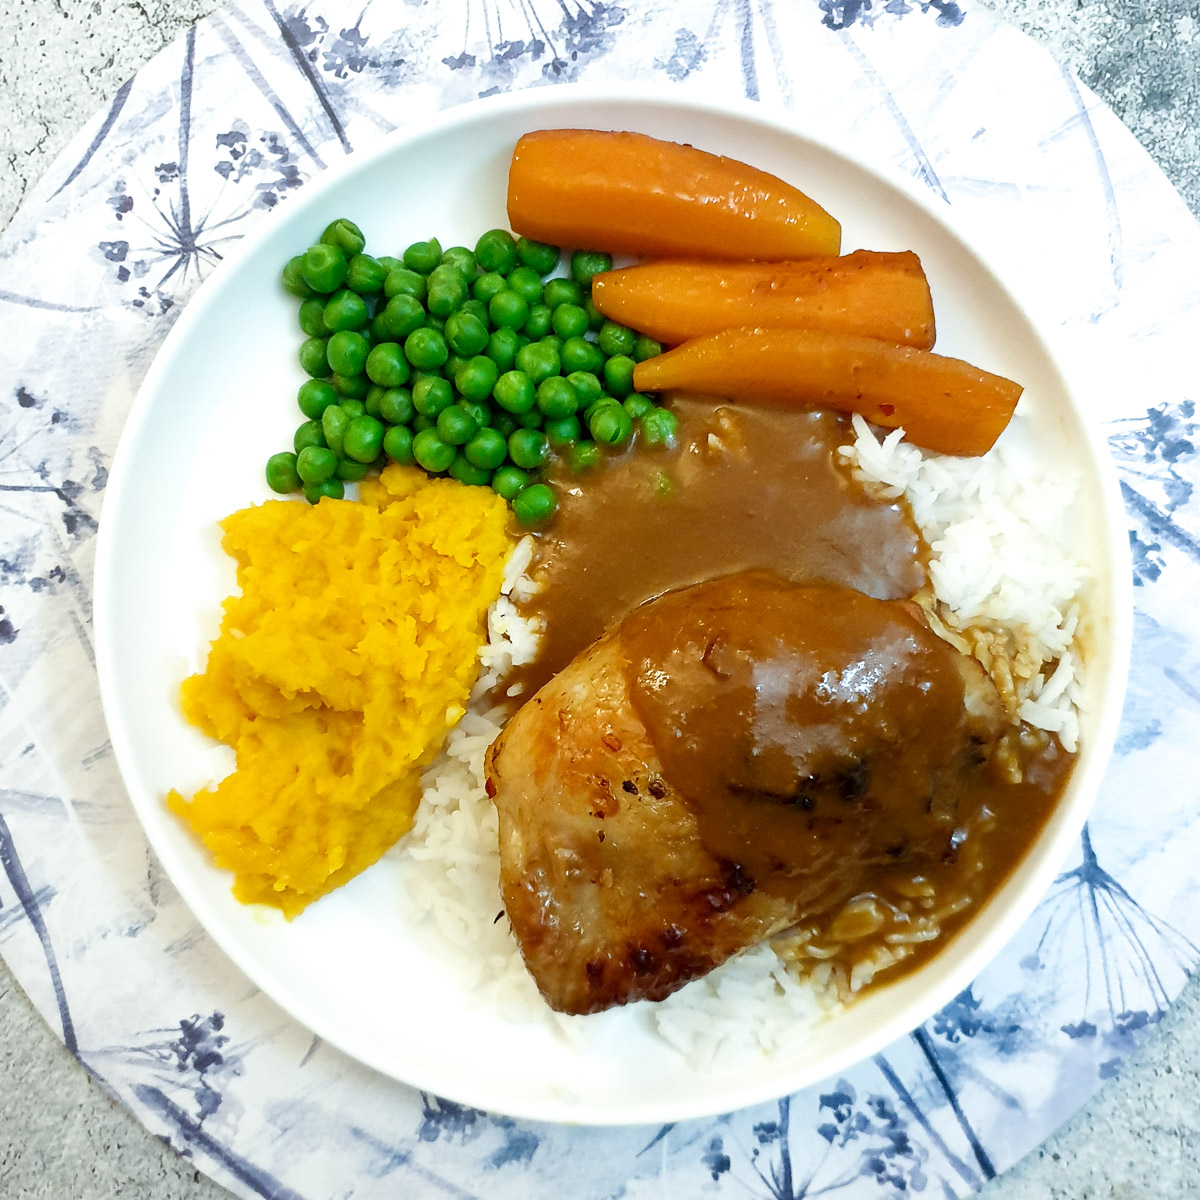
349, 653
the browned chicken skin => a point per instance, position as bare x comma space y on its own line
733, 757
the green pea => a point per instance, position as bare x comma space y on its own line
432, 393
587, 386
387, 366
537, 324
352, 406
315, 396
363, 440
350, 471
659, 427
466, 333
327, 489
389, 263
365, 275
584, 456
508, 309
556, 398
374, 400
496, 250
538, 361
540, 256
396, 406
323, 268
426, 349
475, 308
447, 290
504, 424
433, 321
315, 464
335, 421
462, 260
569, 321
487, 285
345, 235
293, 278
422, 422
563, 431
535, 505
400, 281
456, 426
476, 378
453, 363
487, 448
312, 317
351, 387
615, 338
345, 310
578, 354
431, 452
399, 317
562, 291
527, 283
637, 405
586, 263
502, 347
467, 472
609, 424
645, 347
479, 409
397, 444
509, 482
282, 476
591, 407
515, 392
310, 433
423, 256
314, 357
554, 341
527, 448
618, 375
347, 352
596, 318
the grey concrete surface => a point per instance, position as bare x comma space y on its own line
61, 1138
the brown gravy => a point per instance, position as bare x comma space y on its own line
745, 487
814, 730
823, 739
755, 488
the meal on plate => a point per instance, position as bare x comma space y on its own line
688, 616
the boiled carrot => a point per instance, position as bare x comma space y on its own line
628, 193
942, 403
871, 294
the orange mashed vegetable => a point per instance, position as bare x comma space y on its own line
339, 669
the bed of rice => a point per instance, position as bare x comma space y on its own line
1005, 588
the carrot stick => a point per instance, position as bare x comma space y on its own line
942, 403
627, 193
866, 293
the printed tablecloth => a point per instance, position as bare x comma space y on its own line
211, 137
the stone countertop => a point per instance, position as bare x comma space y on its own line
60, 1136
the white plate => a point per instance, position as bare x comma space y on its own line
220, 398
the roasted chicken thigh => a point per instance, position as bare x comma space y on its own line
732, 758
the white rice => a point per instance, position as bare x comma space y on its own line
1005, 588
1005, 583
